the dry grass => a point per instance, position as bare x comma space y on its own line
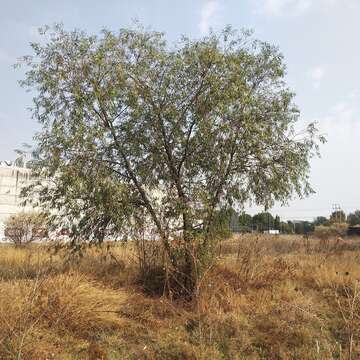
265, 298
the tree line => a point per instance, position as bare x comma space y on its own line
243, 222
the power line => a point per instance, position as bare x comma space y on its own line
337, 211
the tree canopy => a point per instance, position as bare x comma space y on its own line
263, 221
245, 220
338, 216
132, 126
354, 218
320, 220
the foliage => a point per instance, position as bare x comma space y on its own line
321, 220
303, 227
277, 222
338, 217
286, 227
25, 227
263, 221
354, 218
245, 222
223, 223
132, 127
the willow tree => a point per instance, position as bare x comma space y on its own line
131, 125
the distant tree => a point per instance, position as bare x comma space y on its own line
338, 217
304, 227
227, 222
299, 227
263, 221
25, 227
291, 226
277, 222
245, 220
286, 228
134, 129
223, 223
321, 220
354, 218
233, 220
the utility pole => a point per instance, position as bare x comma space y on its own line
336, 208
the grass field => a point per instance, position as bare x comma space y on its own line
265, 298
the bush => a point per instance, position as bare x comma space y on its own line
25, 227
326, 232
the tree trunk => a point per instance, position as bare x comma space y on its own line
190, 273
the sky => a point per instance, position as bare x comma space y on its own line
318, 38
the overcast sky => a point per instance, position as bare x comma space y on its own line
319, 39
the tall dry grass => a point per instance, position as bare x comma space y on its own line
264, 298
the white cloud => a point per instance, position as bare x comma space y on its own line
208, 15
317, 74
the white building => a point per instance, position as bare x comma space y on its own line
12, 180
272, 232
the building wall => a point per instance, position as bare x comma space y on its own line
12, 180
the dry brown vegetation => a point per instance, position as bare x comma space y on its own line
265, 297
